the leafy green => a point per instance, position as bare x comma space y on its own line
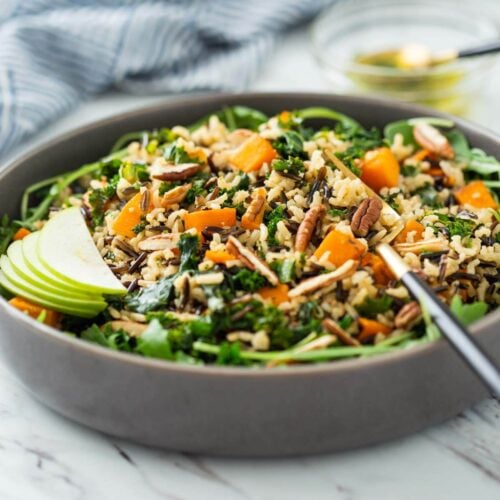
373, 306
235, 117
243, 184
476, 160
285, 269
409, 170
454, 225
400, 127
290, 143
271, 220
321, 113
139, 228
338, 212
7, 230
247, 280
346, 322
241, 117
98, 198
94, 334
468, 313
154, 342
134, 172
429, 196
292, 165
153, 297
189, 246
230, 355
361, 141
178, 155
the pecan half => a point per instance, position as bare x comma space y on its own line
433, 140
250, 260
172, 197
255, 208
159, 242
432, 245
366, 215
341, 334
171, 172
407, 315
323, 280
307, 226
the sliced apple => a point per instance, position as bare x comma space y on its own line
66, 248
21, 267
36, 299
56, 299
35, 265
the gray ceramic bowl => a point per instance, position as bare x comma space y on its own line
223, 410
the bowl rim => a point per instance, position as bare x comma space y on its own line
339, 366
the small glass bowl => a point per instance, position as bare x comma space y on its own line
361, 27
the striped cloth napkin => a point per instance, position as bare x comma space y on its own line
56, 53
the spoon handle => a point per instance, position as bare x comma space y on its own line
486, 48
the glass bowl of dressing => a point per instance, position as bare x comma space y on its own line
357, 43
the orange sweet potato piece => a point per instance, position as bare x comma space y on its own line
276, 295
252, 154
341, 246
219, 256
381, 273
218, 217
130, 215
52, 318
370, 328
380, 169
21, 233
411, 225
248, 222
419, 156
475, 194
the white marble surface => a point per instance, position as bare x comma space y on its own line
44, 456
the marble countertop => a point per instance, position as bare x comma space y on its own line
45, 456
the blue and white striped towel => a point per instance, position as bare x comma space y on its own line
55, 53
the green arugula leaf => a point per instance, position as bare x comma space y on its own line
468, 313
400, 127
371, 307
154, 342
94, 334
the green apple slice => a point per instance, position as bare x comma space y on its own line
36, 266
16, 257
66, 247
36, 299
56, 299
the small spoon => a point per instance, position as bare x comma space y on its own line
416, 56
